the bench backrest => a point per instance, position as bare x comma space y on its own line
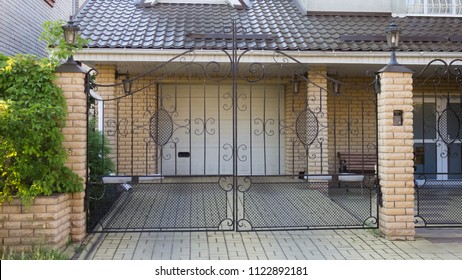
357, 162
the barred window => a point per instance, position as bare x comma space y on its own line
434, 7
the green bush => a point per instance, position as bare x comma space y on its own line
32, 115
99, 162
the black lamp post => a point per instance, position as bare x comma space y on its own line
70, 36
70, 32
393, 32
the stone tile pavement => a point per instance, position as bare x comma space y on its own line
430, 244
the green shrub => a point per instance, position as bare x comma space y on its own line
99, 162
32, 115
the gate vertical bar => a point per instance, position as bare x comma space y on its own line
235, 148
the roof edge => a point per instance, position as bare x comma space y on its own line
237, 4
328, 13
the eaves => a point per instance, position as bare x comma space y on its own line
94, 55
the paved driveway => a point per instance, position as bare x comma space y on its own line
358, 244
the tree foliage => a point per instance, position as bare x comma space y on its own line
57, 48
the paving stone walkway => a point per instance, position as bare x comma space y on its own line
430, 244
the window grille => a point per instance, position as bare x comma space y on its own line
434, 7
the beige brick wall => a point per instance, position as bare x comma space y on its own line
396, 172
75, 141
312, 159
317, 96
106, 76
75, 130
137, 152
352, 119
47, 221
295, 152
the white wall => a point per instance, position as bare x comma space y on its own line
356, 6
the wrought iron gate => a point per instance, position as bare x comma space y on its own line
437, 144
231, 145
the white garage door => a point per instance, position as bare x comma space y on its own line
201, 143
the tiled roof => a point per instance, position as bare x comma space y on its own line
123, 24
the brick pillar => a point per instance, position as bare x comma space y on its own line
294, 103
395, 154
106, 76
318, 158
71, 79
311, 95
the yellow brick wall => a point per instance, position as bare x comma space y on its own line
75, 135
106, 76
47, 221
133, 113
395, 156
317, 96
312, 97
135, 144
295, 152
352, 119
76, 125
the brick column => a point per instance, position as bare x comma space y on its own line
311, 95
294, 151
318, 159
107, 76
71, 79
395, 154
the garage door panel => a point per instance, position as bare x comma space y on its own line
203, 118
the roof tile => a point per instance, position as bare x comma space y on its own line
123, 24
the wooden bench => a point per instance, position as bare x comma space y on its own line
357, 163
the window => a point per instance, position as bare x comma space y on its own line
434, 7
437, 138
50, 2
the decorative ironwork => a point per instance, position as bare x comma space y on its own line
161, 127
438, 144
449, 125
229, 146
307, 127
168, 206
285, 203
438, 203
